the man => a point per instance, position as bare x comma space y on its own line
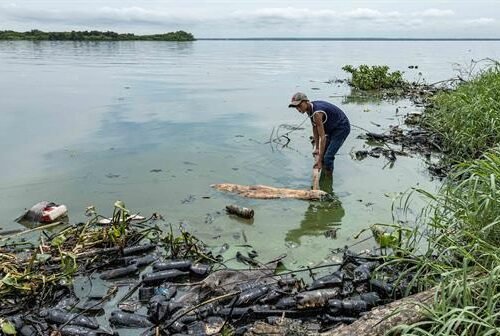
330, 128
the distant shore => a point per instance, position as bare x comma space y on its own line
342, 39
94, 35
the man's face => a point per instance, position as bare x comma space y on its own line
302, 107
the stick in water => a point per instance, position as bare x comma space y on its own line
316, 171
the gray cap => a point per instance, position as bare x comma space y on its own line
297, 99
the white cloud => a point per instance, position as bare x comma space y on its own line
480, 22
103, 14
435, 13
248, 19
288, 13
369, 14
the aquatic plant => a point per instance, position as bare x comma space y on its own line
467, 119
374, 77
462, 256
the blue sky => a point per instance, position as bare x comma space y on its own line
271, 18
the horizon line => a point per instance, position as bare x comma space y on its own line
350, 38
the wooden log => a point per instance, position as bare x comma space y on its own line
316, 175
266, 192
381, 319
377, 322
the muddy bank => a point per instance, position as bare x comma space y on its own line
129, 278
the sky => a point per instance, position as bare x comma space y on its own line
256, 18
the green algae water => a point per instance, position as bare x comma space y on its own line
156, 123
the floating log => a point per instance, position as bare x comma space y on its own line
266, 192
240, 211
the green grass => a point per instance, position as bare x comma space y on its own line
468, 118
462, 256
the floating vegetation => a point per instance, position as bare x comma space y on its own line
375, 77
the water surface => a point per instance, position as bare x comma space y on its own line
155, 123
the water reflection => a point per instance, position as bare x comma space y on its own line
319, 216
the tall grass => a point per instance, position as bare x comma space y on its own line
468, 118
463, 254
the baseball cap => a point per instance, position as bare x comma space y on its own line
297, 99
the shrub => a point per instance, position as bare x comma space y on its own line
375, 77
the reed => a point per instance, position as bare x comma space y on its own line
462, 253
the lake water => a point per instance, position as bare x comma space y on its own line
155, 123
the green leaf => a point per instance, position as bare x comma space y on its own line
8, 328
58, 241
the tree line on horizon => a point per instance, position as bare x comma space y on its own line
94, 35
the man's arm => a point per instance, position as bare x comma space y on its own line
320, 138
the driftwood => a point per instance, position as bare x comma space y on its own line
377, 322
266, 192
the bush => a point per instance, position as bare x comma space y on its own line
375, 77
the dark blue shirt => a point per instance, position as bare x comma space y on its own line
335, 118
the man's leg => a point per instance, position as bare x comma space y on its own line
336, 139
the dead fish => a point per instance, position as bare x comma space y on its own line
332, 280
146, 293
177, 326
73, 330
181, 265
347, 288
119, 272
286, 303
347, 307
363, 271
158, 308
384, 289
168, 291
265, 311
272, 296
138, 249
159, 277
288, 281
122, 319
144, 261
251, 295
58, 316
28, 330
316, 298
371, 298
199, 269
339, 319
